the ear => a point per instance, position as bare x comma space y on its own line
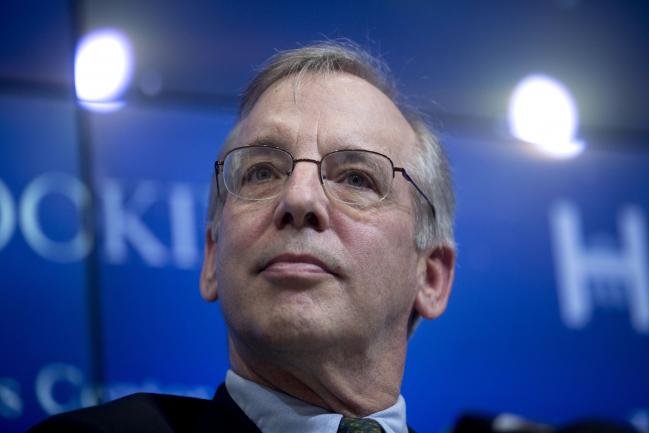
208, 272
435, 281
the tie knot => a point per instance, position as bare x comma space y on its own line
359, 425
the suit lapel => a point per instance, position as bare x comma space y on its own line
223, 415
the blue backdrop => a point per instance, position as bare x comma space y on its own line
510, 340
548, 319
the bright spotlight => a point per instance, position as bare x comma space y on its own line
543, 112
102, 69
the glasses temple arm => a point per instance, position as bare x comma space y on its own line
216, 177
423, 194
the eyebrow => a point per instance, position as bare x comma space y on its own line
273, 132
269, 140
277, 135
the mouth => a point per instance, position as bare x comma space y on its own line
295, 264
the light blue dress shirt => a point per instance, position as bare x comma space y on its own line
275, 412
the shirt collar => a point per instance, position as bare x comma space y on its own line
275, 412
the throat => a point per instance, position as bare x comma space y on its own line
348, 386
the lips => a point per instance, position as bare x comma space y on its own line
297, 263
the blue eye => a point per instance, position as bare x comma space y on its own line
357, 180
260, 173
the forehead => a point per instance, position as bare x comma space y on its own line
330, 111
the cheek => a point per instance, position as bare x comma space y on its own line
239, 230
379, 234
241, 226
382, 251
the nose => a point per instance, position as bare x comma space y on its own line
303, 203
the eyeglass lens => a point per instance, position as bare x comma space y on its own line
352, 176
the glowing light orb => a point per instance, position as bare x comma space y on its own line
102, 69
543, 113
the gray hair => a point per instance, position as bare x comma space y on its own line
428, 167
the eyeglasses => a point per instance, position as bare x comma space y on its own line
353, 176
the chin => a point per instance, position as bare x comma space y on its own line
289, 329
285, 318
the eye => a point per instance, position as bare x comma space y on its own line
261, 173
357, 179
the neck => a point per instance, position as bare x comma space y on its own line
357, 383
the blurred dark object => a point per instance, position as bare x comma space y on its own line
475, 423
597, 426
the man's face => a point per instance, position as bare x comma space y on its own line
304, 269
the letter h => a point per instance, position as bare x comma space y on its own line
581, 268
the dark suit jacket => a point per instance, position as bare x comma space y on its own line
155, 413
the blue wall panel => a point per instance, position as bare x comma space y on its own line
504, 344
153, 173
43, 311
507, 342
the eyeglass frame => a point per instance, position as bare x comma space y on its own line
220, 163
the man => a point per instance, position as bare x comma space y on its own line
329, 236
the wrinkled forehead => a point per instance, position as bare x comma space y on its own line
332, 111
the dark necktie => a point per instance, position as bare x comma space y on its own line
359, 425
